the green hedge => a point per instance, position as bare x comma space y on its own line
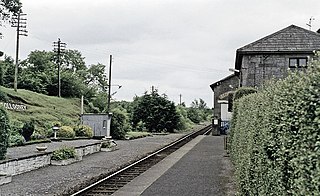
275, 137
4, 133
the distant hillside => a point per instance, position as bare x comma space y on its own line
41, 108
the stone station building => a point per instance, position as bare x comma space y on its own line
270, 57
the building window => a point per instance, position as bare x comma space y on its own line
298, 62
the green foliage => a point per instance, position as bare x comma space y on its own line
106, 144
184, 122
4, 133
83, 131
241, 92
194, 115
157, 112
3, 96
64, 153
43, 110
27, 130
199, 111
7, 8
140, 126
66, 132
16, 140
275, 140
7, 71
119, 124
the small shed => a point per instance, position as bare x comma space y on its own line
98, 123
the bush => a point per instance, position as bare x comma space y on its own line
63, 153
140, 126
4, 133
184, 122
275, 141
66, 132
83, 131
27, 130
3, 97
37, 136
16, 140
118, 124
194, 115
241, 92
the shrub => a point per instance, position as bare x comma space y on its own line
66, 132
37, 136
140, 126
27, 130
16, 140
194, 115
4, 133
241, 92
118, 124
3, 97
64, 153
83, 131
275, 140
184, 122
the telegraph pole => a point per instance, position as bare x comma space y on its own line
109, 86
20, 23
180, 99
59, 48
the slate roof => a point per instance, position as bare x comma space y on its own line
292, 39
212, 86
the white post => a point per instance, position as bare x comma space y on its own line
82, 104
109, 125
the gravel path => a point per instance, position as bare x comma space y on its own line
61, 180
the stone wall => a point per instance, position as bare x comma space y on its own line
33, 162
257, 69
225, 86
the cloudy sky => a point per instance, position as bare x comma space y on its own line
178, 46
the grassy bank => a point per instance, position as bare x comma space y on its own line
42, 109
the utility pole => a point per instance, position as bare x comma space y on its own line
180, 99
109, 86
59, 48
20, 23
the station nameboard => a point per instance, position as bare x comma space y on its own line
14, 106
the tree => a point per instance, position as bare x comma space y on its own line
198, 111
72, 60
8, 7
6, 66
96, 77
156, 112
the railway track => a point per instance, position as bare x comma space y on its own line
115, 181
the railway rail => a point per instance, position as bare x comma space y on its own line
116, 180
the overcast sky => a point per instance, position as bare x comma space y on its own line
178, 46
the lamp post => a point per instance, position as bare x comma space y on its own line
55, 129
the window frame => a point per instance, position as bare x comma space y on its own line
297, 59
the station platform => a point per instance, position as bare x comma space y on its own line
50, 180
201, 167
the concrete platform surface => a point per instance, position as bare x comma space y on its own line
201, 167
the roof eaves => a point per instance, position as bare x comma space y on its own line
213, 85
